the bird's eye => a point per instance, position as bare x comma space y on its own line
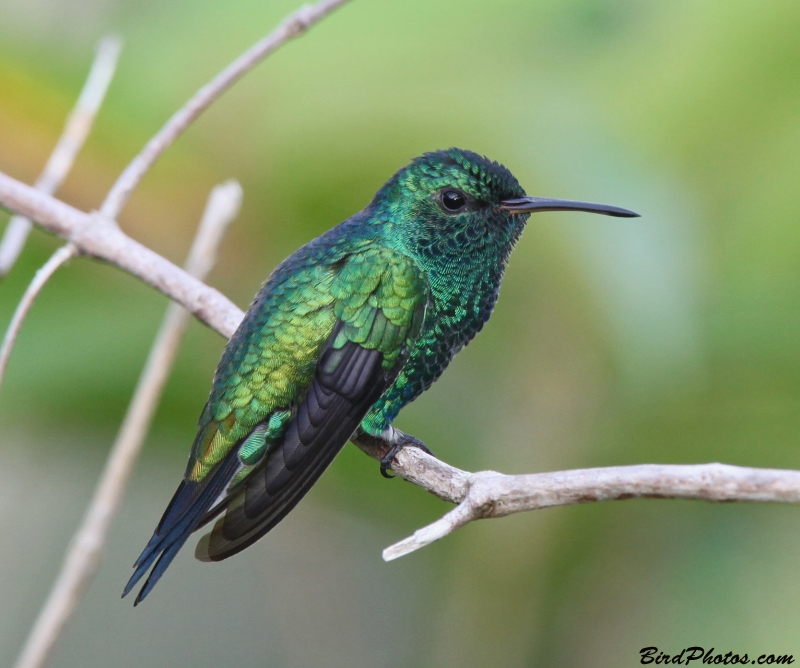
453, 200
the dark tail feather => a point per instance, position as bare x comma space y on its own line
180, 502
158, 546
161, 565
183, 515
346, 383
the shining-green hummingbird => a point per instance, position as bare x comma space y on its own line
344, 333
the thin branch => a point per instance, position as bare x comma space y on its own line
76, 130
101, 238
66, 252
488, 494
85, 551
294, 25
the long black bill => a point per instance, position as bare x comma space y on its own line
533, 204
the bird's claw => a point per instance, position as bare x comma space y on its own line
386, 461
405, 440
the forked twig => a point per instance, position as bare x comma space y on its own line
76, 130
488, 494
85, 550
101, 238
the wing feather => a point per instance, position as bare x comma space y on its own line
339, 397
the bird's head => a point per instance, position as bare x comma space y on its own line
453, 202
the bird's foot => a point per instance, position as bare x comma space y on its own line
397, 440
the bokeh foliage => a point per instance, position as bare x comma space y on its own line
672, 338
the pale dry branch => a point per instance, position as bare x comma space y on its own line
101, 238
294, 25
62, 255
85, 550
488, 494
76, 130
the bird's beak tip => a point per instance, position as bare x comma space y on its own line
534, 204
627, 214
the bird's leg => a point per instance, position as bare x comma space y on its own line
397, 440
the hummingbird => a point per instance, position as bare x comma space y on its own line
344, 333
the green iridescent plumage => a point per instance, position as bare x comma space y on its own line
373, 291
344, 333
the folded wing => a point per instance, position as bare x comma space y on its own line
374, 303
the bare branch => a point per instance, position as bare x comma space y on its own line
294, 25
101, 238
85, 551
489, 494
40, 279
77, 128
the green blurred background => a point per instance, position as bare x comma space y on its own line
671, 338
